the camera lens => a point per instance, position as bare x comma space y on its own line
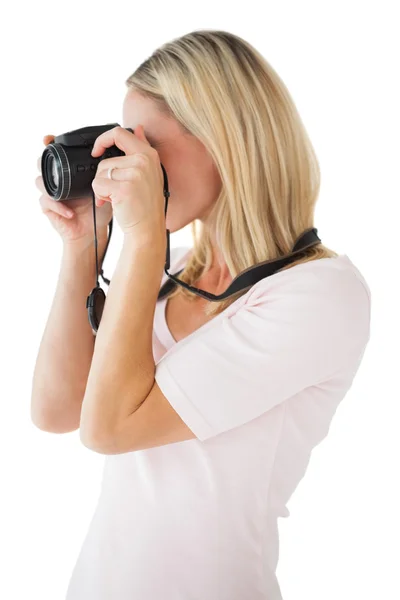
53, 171
56, 172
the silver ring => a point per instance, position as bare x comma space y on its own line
109, 172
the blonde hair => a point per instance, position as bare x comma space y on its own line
223, 91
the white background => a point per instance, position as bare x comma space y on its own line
64, 67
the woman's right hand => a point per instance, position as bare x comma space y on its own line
80, 225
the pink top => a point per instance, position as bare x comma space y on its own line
258, 385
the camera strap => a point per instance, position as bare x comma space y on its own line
245, 280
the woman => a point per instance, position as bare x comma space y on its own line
242, 389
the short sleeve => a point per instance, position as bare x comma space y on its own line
292, 333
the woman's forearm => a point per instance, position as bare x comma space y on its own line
122, 369
66, 349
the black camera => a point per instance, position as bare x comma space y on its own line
68, 168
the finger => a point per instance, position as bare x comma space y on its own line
122, 163
116, 162
120, 137
128, 174
40, 185
107, 189
59, 208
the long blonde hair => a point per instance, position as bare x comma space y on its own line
223, 91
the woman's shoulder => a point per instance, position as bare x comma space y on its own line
332, 281
327, 299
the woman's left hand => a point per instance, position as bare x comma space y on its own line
136, 189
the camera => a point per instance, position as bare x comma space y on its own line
68, 168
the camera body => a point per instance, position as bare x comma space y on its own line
68, 168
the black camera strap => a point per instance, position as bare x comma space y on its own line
245, 280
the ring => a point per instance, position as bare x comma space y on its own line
109, 172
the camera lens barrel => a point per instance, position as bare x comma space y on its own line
68, 171
68, 168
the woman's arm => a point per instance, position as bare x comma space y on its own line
66, 350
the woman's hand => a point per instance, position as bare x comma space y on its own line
80, 224
136, 188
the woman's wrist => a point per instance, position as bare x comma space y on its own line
86, 242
